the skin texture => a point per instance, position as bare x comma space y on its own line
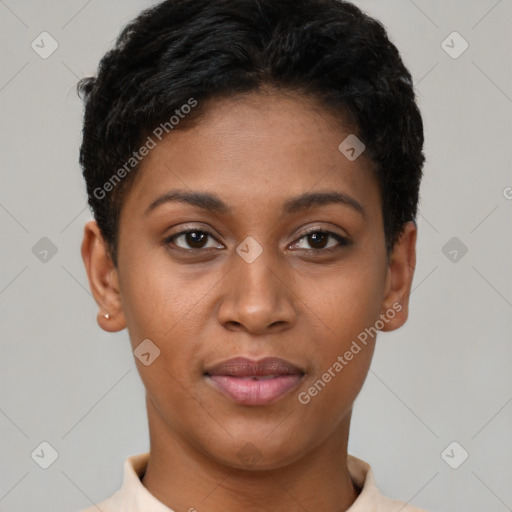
205, 305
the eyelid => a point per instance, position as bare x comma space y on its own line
342, 240
318, 229
188, 229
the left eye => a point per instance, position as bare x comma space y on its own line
319, 240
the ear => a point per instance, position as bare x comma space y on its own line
402, 262
103, 279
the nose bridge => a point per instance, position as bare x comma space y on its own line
256, 278
257, 297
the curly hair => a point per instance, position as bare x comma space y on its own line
181, 51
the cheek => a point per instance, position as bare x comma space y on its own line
163, 305
342, 307
340, 311
159, 307
158, 302
341, 304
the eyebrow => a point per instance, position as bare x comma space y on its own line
303, 202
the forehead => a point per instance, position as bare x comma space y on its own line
255, 149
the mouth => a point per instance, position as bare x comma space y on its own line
249, 382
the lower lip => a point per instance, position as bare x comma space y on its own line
255, 392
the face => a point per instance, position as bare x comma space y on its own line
252, 256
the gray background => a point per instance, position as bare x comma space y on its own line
445, 376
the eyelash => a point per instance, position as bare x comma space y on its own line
342, 241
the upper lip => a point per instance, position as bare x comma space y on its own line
244, 367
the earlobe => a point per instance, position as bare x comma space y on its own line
103, 281
402, 264
110, 323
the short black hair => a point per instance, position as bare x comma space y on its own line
184, 52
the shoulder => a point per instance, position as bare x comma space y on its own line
131, 494
389, 505
370, 498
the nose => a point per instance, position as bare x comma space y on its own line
257, 298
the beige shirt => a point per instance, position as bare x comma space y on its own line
134, 497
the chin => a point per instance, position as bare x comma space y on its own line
257, 451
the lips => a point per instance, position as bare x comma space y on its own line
250, 382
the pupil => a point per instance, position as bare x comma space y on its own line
314, 239
195, 238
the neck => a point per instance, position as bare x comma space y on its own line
185, 479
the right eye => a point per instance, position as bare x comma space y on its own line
195, 238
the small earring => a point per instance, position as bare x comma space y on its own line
107, 316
